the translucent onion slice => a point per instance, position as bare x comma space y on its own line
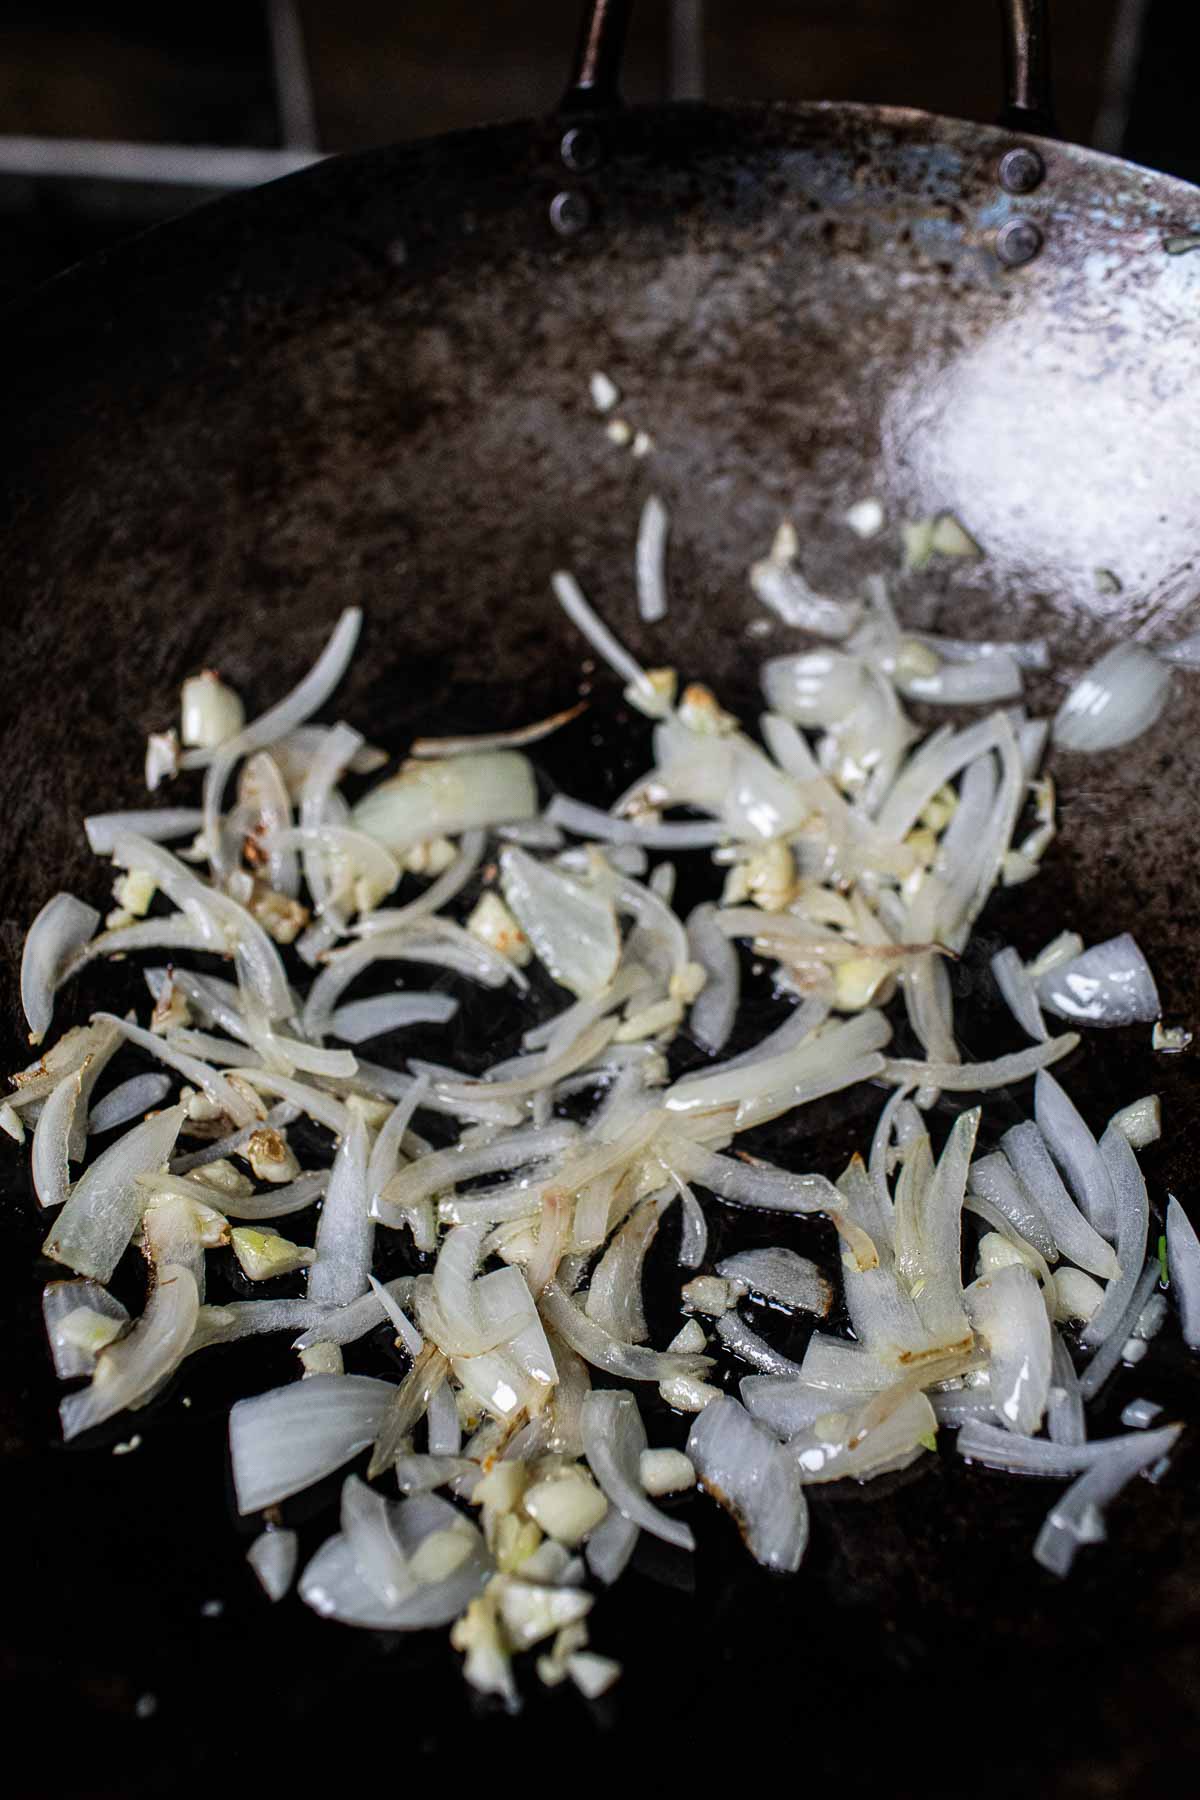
263, 791
159, 824
128, 1101
978, 1077
815, 690
693, 1236
1027, 1153
1108, 985
1112, 1349
754, 1478
1020, 996
1077, 1518
283, 1441
1119, 698
715, 1007
334, 1583
81, 1318
610, 1546
788, 1405
650, 560
346, 1233
614, 1298
1132, 1228
1065, 1422
1077, 1154
741, 1341
273, 1556
50, 1166
1183, 1260
94, 1227
61, 929
634, 1362
589, 822
361, 1020
135, 1364
443, 799
614, 1439
881, 1436
572, 928
778, 1274
994, 1179
1007, 1310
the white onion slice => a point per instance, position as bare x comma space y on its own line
815, 690
753, 1477
650, 560
346, 1233
754, 1184
254, 1318
994, 1179
74, 1352
613, 1441
888, 1432
1110, 984
95, 1226
614, 1298
1112, 1350
978, 1077
572, 928
335, 1585
589, 822
1077, 1154
1183, 1262
283, 1441
128, 1101
1186, 652
61, 929
929, 1232
1020, 996
313, 1101
523, 735
142, 1360
741, 1341
980, 682
693, 1236
634, 1362
277, 1202
783, 588
1065, 1423
1007, 1310
158, 824
997, 1448
570, 597
50, 1166
1026, 1151
788, 1405
715, 1007
347, 1324
273, 1556
443, 799
213, 1085
1132, 1223
361, 1020
780, 1275
610, 1546
1076, 1518
439, 892
1119, 698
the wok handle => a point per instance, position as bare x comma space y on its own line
596, 68
1028, 95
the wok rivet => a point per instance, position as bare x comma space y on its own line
1018, 242
580, 148
570, 212
1021, 170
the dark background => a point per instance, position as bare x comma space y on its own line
383, 70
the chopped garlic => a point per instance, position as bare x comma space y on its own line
134, 891
162, 758
690, 1339
1076, 1295
567, 1506
502, 1488
270, 1155
857, 982
511, 1540
940, 809
619, 432
432, 857
477, 1633
552, 1665
604, 391
372, 1112
917, 537
322, 1359
1140, 1122
593, 1675
916, 661
210, 712
223, 1177
687, 982
171, 1009
1169, 1038
438, 1555
865, 518
531, 1613
785, 546
643, 443
666, 1472
710, 1294
89, 1331
492, 923
282, 918
663, 1015
132, 1443
687, 1393
264, 1254
950, 538
998, 1252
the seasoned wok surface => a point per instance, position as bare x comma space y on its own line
369, 385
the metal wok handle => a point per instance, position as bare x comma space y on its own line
596, 69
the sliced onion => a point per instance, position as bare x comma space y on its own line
997, 1448
135, 1364
1132, 1227
1112, 1350
788, 1405
754, 1184
1006, 1309
283, 1441
980, 682
742, 1342
1183, 1261
614, 1298
815, 690
364, 1019
1110, 984
254, 1318
1186, 652
977, 1078
97, 1222
572, 928
610, 1546
1065, 1422
439, 892
158, 824
929, 1232
337, 1582
994, 1179
214, 1086
693, 1236
715, 1007
1020, 995
346, 1233
50, 1166
273, 1556
650, 562
1025, 1149
1077, 1153
62, 927
589, 822
570, 597
634, 1362
128, 1101
1076, 1518
81, 1318
783, 588
754, 1479
613, 1441
889, 1431
443, 1170
1119, 698
780, 1275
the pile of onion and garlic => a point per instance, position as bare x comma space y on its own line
507, 1470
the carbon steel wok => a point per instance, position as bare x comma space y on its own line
368, 383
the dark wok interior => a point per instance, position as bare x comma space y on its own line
368, 385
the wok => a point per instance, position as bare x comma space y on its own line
368, 384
